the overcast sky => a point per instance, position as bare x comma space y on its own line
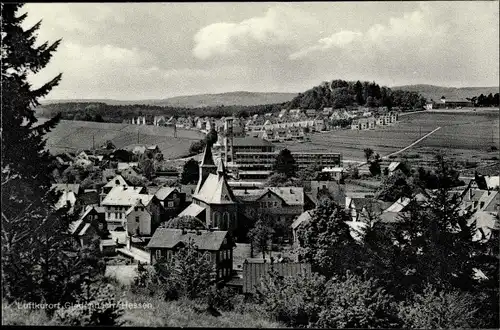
158, 50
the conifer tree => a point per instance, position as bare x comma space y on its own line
39, 259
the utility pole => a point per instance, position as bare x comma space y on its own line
137, 135
93, 141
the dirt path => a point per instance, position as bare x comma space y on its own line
411, 145
405, 148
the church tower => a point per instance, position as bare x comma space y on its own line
228, 140
207, 166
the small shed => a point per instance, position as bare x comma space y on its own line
254, 273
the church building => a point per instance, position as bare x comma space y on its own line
213, 200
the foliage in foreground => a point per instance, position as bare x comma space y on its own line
95, 305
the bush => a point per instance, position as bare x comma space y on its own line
95, 305
224, 299
433, 310
295, 301
356, 303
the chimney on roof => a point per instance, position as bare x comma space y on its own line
184, 231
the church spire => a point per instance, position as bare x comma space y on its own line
207, 166
221, 170
207, 157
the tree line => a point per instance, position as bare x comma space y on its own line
98, 111
340, 93
482, 100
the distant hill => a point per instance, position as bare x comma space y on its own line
198, 101
435, 92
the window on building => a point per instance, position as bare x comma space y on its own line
170, 204
136, 219
158, 254
208, 256
135, 208
169, 254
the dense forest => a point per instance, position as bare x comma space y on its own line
337, 94
341, 93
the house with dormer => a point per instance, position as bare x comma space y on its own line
121, 205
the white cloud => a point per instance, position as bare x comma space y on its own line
339, 39
281, 25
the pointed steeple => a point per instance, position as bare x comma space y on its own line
221, 170
207, 166
207, 157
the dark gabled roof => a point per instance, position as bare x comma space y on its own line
88, 198
250, 141
168, 238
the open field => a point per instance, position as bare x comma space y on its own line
462, 135
74, 135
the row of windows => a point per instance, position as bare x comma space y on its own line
169, 253
224, 272
268, 204
224, 255
137, 208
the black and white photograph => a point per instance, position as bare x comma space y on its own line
327, 165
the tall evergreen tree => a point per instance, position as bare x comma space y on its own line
285, 163
39, 258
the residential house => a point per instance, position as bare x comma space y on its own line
269, 135
217, 246
121, 166
365, 209
295, 133
200, 124
318, 188
393, 166
130, 172
130, 209
379, 121
311, 113
334, 173
159, 121
66, 187
117, 181
279, 204
319, 124
327, 111
172, 200
88, 198
281, 135
283, 113
90, 224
